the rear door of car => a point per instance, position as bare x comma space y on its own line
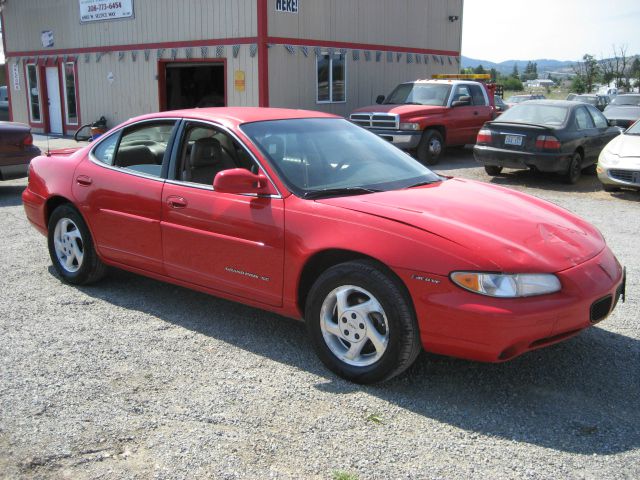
119, 188
226, 242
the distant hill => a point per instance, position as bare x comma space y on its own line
506, 67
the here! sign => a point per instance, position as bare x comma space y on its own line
289, 6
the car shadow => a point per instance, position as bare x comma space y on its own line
546, 181
572, 397
11, 195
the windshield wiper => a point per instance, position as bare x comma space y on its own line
337, 192
426, 182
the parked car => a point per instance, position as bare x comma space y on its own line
4, 104
598, 101
515, 99
623, 110
619, 161
499, 105
16, 150
546, 135
305, 214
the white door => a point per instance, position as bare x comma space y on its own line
55, 107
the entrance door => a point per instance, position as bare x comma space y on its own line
54, 104
192, 84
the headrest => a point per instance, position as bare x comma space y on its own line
205, 151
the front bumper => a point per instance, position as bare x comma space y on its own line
462, 324
544, 162
404, 139
619, 177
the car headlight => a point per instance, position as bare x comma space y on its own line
505, 285
409, 126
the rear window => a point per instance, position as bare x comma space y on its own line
553, 115
626, 100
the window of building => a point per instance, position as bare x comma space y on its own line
331, 78
34, 93
70, 93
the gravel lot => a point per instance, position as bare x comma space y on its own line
133, 378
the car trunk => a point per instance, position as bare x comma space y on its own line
516, 137
12, 140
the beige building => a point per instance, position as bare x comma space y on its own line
71, 61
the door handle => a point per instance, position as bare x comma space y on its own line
175, 201
475, 113
84, 180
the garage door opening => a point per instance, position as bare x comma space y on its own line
189, 85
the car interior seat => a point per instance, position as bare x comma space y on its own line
207, 158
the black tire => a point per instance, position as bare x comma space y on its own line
492, 170
394, 320
431, 147
68, 227
591, 169
575, 169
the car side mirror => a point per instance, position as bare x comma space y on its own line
380, 99
463, 101
242, 181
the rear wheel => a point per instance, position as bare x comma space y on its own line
361, 323
575, 169
71, 247
431, 147
492, 170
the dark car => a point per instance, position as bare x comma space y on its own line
16, 150
4, 103
598, 101
515, 99
546, 135
499, 105
623, 110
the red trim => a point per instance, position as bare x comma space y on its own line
78, 109
263, 54
360, 46
62, 65
9, 83
44, 95
135, 46
162, 76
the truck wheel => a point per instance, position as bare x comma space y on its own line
492, 170
430, 147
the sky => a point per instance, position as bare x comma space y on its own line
499, 30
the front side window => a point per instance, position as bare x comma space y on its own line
70, 93
331, 78
34, 93
598, 118
419, 94
318, 156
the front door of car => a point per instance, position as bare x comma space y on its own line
119, 191
465, 121
605, 132
591, 137
227, 242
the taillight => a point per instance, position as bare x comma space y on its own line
484, 136
547, 142
27, 141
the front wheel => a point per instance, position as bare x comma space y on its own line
361, 323
492, 170
71, 247
431, 147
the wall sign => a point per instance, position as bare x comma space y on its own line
47, 38
96, 10
15, 76
289, 6
239, 80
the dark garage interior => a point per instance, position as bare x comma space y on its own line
189, 85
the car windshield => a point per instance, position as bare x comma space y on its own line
518, 99
590, 100
538, 114
332, 157
420, 94
626, 100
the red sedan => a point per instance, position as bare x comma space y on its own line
312, 217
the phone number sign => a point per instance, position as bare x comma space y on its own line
97, 10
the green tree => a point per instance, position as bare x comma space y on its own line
513, 84
494, 75
479, 69
578, 85
515, 73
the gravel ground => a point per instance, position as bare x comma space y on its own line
133, 378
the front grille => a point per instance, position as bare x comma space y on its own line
376, 120
630, 176
600, 309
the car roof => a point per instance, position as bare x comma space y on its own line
555, 103
235, 116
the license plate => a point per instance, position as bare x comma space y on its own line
513, 140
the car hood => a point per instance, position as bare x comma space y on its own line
623, 112
626, 146
402, 110
513, 231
